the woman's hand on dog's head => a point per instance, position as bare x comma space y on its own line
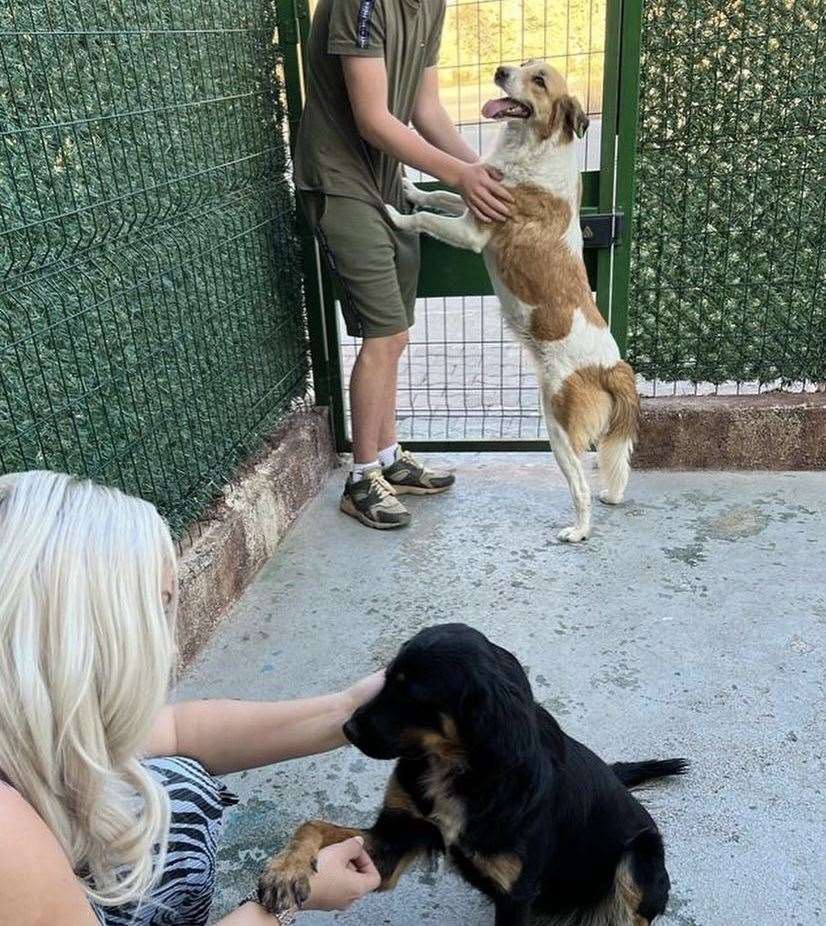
362, 691
345, 873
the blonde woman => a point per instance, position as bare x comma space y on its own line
102, 819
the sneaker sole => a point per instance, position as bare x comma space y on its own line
419, 490
350, 509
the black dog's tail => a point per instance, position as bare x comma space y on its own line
632, 774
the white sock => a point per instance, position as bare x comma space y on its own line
388, 456
358, 469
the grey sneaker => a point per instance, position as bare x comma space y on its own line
407, 476
373, 502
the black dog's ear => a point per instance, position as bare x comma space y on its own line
499, 715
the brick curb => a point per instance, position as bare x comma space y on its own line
780, 432
241, 531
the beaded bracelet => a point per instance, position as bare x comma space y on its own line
283, 918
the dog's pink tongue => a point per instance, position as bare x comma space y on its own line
493, 108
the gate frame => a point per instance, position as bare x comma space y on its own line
608, 193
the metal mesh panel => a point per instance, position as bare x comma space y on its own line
464, 376
728, 271
151, 322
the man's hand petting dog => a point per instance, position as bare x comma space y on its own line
479, 186
333, 880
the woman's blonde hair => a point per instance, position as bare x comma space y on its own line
86, 653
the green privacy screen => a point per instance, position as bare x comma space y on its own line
728, 269
151, 319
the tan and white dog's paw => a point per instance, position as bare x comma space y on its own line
573, 534
411, 192
400, 220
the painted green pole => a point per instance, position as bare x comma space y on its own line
322, 326
627, 126
608, 147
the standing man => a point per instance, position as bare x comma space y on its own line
372, 71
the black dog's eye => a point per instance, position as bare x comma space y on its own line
539, 80
400, 679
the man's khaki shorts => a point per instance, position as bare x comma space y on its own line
376, 265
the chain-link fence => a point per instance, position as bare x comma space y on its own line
151, 319
728, 269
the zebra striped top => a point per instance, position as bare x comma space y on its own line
183, 896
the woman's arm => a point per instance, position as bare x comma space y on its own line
39, 888
228, 736
434, 124
250, 914
37, 884
366, 80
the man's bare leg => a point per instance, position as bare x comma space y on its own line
367, 496
373, 395
387, 434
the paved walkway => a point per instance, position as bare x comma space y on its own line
692, 623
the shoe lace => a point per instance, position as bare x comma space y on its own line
408, 457
384, 488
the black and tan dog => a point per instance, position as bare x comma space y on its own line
527, 814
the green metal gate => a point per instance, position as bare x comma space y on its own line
448, 369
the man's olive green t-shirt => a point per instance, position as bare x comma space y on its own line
331, 157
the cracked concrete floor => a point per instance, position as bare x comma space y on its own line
692, 623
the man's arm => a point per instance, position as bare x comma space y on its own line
366, 79
432, 122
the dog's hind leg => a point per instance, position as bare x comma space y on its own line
615, 468
570, 463
616, 446
643, 878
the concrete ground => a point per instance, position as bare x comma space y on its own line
692, 623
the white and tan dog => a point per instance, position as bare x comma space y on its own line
534, 259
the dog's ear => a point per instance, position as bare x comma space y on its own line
498, 711
573, 119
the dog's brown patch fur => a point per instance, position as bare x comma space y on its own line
537, 266
503, 869
629, 893
447, 755
444, 745
598, 401
619, 908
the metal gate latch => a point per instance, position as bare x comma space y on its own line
602, 230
